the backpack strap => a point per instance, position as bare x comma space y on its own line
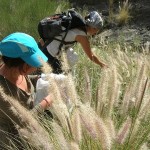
63, 39
47, 42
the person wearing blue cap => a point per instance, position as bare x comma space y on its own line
20, 57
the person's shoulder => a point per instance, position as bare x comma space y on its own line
78, 31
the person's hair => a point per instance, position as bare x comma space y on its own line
13, 62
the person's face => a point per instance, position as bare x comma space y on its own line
27, 69
92, 31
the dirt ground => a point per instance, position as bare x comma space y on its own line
140, 8
141, 13
137, 31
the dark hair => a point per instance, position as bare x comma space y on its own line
13, 62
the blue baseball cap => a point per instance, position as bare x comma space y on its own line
24, 46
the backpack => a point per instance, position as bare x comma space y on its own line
54, 25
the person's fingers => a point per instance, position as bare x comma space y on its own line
104, 66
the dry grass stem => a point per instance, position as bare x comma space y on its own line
76, 126
102, 93
140, 82
71, 90
32, 130
88, 122
103, 134
135, 131
113, 92
111, 128
59, 136
124, 131
127, 100
58, 108
46, 69
74, 146
65, 64
95, 126
88, 92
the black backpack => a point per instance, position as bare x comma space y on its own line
54, 25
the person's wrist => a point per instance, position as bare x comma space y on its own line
47, 102
101, 64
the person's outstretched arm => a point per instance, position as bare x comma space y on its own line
83, 40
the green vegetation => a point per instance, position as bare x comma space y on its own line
120, 15
23, 16
100, 109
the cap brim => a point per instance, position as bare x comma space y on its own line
36, 60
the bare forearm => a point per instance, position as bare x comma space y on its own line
47, 101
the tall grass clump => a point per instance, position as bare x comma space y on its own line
122, 94
115, 115
124, 13
32, 133
120, 14
118, 119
